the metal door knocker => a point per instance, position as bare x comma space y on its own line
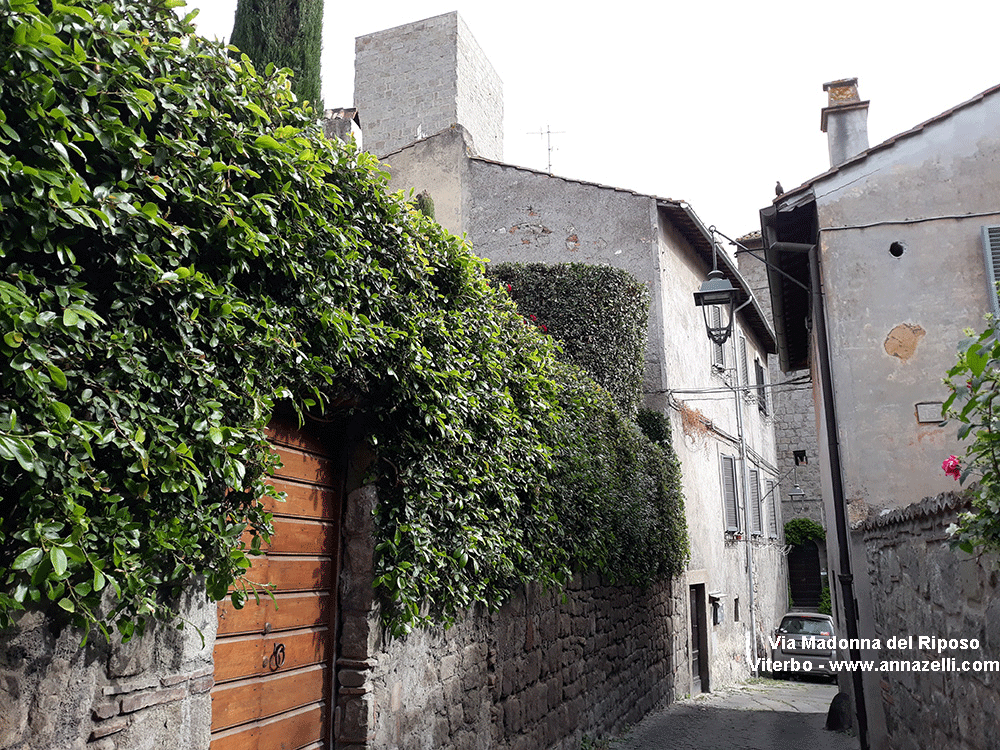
278, 656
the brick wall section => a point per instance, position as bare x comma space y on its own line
541, 673
150, 693
416, 80
921, 587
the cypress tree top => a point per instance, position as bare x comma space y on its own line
287, 33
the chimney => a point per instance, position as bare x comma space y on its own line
845, 121
342, 124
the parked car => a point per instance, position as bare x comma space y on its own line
804, 644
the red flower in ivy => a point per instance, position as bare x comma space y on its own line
952, 467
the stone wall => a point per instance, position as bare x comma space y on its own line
920, 587
150, 693
413, 81
543, 672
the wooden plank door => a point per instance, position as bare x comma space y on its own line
274, 659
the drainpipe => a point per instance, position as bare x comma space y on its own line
846, 574
748, 533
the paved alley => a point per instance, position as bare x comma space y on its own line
766, 715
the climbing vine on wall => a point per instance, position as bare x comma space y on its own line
181, 252
597, 313
801, 530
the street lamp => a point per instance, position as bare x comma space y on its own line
717, 291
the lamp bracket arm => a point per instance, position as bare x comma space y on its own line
753, 254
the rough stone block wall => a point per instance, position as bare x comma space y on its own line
153, 692
416, 80
539, 674
480, 96
920, 587
795, 429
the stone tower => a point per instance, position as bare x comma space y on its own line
416, 80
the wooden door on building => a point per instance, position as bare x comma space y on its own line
274, 659
699, 640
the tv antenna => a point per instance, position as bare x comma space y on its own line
548, 133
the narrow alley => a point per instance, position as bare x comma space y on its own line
766, 715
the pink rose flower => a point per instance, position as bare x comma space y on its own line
951, 467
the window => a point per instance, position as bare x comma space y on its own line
771, 503
729, 498
761, 386
756, 525
744, 377
744, 370
991, 253
718, 350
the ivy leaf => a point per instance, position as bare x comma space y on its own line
57, 376
266, 141
28, 559
70, 318
58, 559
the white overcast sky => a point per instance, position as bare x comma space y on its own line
710, 102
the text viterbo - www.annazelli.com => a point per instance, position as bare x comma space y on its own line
947, 664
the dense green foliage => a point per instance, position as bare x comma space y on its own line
181, 252
825, 604
801, 530
974, 402
597, 313
617, 493
654, 425
424, 204
287, 33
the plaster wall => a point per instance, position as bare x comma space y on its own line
894, 322
439, 165
522, 216
414, 80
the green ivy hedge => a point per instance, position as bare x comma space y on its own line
802, 530
597, 313
182, 251
616, 491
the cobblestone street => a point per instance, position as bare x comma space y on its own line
767, 715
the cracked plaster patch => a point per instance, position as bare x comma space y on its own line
903, 339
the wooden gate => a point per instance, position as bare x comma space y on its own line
274, 665
804, 579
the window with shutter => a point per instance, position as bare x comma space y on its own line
991, 253
761, 386
729, 493
771, 503
756, 526
718, 350
744, 370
